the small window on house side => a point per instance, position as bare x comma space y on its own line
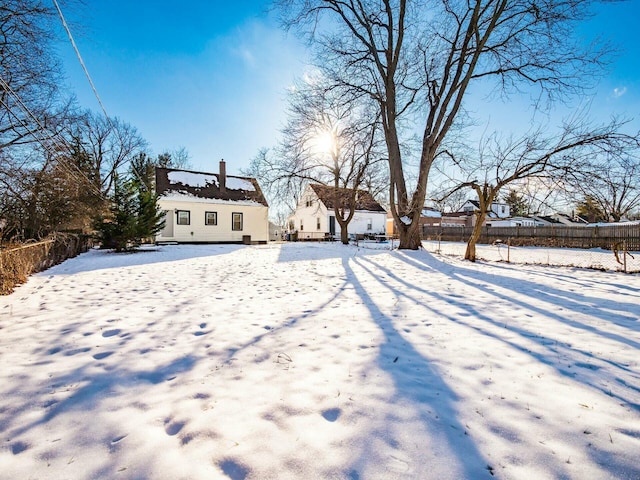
301, 225
318, 223
369, 224
236, 221
184, 217
211, 218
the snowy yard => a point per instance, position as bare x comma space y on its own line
313, 361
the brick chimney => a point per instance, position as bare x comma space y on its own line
222, 177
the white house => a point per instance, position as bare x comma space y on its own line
211, 208
314, 217
498, 210
514, 222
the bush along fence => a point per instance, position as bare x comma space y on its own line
610, 237
17, 262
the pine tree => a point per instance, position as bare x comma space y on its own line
517, 206
150, 218
590, 210
134, 216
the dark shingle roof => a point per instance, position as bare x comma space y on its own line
207, 185
364, 200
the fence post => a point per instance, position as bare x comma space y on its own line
624, 255
509, 250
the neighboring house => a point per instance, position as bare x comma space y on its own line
498, 210
566, 220
545, 221
211, 208
429, 217
314, 217
513, 222
458, 219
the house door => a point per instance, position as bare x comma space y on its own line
167, 231
332, 225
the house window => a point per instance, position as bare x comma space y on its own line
210, 218
184, 217
369, 224
236, 221
309, 202
301, 225
318, 223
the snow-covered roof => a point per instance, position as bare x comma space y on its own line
207, 187
192, 179
364, 201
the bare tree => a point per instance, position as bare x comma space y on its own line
612, 185
421, 57
282, 191
30, 72
331, 141
501, 162
105, 145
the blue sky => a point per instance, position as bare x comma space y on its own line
211, 75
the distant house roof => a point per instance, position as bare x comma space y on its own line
364, 200
186, 184
546, 218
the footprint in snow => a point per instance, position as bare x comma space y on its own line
174, 428
331, 414
19, 447
234, 470
101, 355
118, 439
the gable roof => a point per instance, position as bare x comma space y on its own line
364, 200
200, 185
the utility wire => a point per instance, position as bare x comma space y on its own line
39, 136
84, 68
93, 87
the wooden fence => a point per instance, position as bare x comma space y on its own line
18, 262
610, 237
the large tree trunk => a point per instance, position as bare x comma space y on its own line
344, 222
344, 235
410, 238
470, 253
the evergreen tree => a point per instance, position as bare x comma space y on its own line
590, 210
517, 206
150, 218
134, 216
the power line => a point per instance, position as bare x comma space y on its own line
38, 135
84, 68
93, 87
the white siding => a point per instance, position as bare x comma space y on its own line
361, 220
310, 208
306, 216
255, 222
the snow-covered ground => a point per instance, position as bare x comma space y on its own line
313, 361
596, 258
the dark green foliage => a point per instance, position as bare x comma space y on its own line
134, 216
590, 210
517, 206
